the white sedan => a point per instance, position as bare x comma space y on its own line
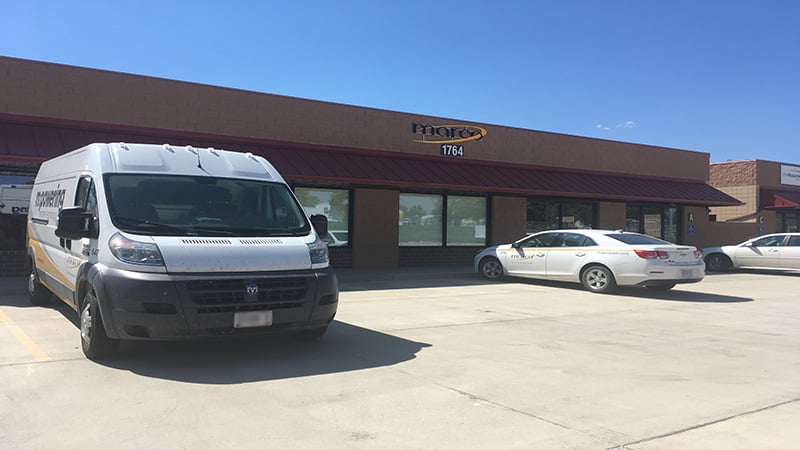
599, 259
772, 251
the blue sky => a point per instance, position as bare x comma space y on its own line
721, 77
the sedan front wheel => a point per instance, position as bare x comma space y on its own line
491, 268
717, 262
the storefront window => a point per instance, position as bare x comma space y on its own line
466, 220
551, 214
333, 204
420, 219
653, 220
787, 221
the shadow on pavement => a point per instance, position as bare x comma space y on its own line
344, 348
675, 294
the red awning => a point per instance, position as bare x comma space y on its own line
305, 162
779, 199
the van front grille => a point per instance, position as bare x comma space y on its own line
247, 294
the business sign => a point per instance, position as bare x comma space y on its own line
448, 137
790, 175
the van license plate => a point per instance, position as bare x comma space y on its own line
249, 319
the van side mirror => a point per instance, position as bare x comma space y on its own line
76, 223
320, 223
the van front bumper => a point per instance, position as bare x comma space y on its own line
137, 305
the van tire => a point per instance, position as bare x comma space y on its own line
94, 341
38, 294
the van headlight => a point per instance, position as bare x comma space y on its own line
135, 252
318, 251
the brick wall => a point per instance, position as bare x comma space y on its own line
39, 89
437, 256
341, 257
12, 263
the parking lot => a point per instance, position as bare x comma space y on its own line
433, 358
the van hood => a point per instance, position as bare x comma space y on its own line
233, 254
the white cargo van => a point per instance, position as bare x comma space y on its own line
14, 199
165, 242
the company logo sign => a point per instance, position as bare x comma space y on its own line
790, 175
447, 134
50, 199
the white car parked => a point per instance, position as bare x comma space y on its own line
599, 259
772, 251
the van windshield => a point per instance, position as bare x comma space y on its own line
192, 206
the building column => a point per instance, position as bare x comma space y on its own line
509, 216
376, 214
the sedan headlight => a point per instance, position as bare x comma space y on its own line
135, 252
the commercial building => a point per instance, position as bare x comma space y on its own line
399, 189
770, 196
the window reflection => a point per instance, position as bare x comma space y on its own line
653, 220
466, 220
420, 220
333, 204
553, 214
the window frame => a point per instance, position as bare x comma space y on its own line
561, 205
445, 215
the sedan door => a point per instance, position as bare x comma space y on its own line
764, 252
527, 258
790, 253
564, 262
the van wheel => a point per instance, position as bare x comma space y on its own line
37, 293
598, 279
94, 341
491, 268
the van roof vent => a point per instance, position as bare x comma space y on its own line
201, 241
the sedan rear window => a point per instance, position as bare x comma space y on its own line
637, 239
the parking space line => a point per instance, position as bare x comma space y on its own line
23, 338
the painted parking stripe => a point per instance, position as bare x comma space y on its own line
23, 338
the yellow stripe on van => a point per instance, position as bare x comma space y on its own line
23, 338
45, 263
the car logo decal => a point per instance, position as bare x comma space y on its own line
251, 291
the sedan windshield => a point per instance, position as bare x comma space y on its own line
191, 206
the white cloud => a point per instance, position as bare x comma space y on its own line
627, 124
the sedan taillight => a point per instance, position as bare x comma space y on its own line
652, 254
